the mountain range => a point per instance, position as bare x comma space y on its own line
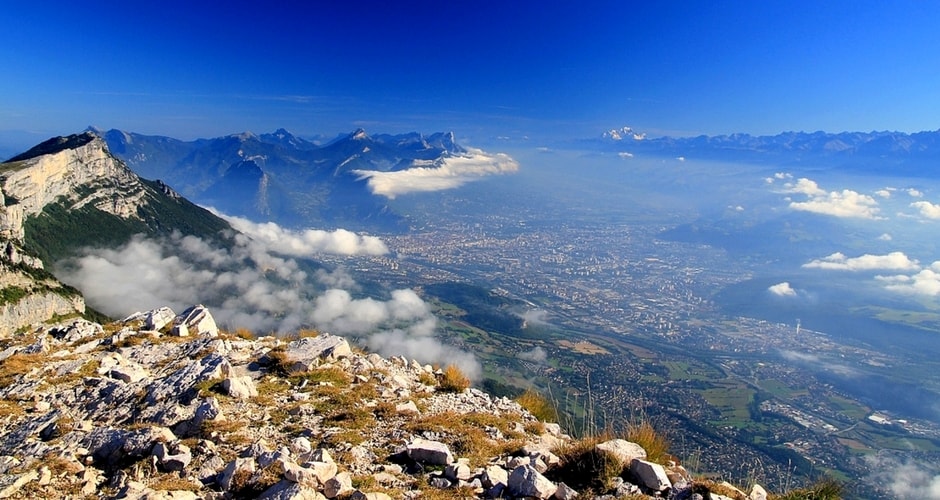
282, 177
885, 152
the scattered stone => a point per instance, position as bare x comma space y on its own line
288, 490
757, 493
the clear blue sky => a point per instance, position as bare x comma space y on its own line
480, 68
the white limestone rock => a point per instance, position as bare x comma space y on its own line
338, 485
289, 490
430, 452
525, 481
622, 450
651, 475
306, 353
197, 320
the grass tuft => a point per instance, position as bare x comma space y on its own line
539, 406
454, 380
655, 444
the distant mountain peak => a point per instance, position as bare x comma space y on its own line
359, 134
619, 134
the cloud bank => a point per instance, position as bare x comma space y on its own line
253, 285
907, 479
926, 282
307, 242
894, 261
845, 203
446, 173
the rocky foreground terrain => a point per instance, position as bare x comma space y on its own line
166, 406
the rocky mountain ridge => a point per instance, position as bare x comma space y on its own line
165, 406
66, 193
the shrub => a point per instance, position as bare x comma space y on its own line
454, 380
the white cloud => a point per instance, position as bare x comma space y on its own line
927, 209
845, 203
447, 173
625, 155
782, 290
907, 479
894, 261
783, 175
253, 286
536, 355
884, 193
926, 282
307, 242
914, 193
817, 362
885, 237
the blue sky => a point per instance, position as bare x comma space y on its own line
483, 69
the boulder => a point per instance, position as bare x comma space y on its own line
650, 475
239, 387
757, 493
525, 481
172, 457
305, 354
288, 490
495, 475
197, 320
338, 485
228, 474
623, 450
429, 452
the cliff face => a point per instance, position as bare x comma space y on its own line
78, 169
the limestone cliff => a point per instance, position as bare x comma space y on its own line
69, 193
78, 169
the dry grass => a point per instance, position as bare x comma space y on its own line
172, 482
427, 379
18, 365
825, 489
655, 444
453, 380
539, 406
583, 467
465, 434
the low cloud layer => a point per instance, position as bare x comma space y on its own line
907, 479
447, 173
307, 242
845, 203
255, 286
894, 261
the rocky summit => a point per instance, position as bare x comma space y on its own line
166, 406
